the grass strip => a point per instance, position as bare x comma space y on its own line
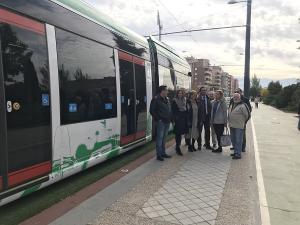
28, 206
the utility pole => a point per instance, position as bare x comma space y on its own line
247, 51
160, 27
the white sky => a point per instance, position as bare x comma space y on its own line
275, 30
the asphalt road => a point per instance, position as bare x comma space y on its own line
279, 148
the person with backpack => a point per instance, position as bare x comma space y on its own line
238, 115
247, 102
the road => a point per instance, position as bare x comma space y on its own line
279, 149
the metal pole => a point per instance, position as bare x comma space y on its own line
247, 51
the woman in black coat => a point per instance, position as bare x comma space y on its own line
180, 118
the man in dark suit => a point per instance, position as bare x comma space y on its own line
204, 111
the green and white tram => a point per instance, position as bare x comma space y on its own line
75, 90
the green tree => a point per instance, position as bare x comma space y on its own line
274, 87
255, 88
264, 92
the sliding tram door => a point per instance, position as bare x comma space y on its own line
25, 134
133, 98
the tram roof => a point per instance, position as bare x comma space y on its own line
169, 51
90, 12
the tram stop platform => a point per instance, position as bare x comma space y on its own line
198, 188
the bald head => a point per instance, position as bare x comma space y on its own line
236, 98
211, 95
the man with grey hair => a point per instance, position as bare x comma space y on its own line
238, 115
211, 96
247, 102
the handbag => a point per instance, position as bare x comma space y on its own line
225, 138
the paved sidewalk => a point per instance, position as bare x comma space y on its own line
279, 147
201, 188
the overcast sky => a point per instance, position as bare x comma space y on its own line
275, 30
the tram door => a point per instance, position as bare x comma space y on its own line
25, 134
133, 98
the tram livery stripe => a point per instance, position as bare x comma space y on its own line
29, 173
125, 56
139, 61
20, 21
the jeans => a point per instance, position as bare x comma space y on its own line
236, 135
162, 130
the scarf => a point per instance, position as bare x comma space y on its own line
181, 104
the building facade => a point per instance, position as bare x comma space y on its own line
211, 77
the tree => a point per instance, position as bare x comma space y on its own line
255, 86
274, 87
264, 92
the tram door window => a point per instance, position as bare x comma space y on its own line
141, 98
133, 98
27, 98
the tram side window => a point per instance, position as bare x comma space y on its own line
87, 79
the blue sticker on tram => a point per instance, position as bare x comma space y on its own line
108, 106
122, 99
145, 98
72, 107
45, 100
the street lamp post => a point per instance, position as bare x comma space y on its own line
247, 47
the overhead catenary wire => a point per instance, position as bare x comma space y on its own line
202, 29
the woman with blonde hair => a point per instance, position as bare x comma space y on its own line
192, 120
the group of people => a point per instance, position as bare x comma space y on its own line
193, 112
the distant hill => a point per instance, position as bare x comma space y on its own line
265, 82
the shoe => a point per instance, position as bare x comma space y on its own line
178, 151
160, 158
167, 156
209, 147
232, 148
199, 148
232, 154
218, 150
193, 148
190, 149
243, 150
236, 157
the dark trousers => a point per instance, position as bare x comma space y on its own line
178, 139
206, 125
219, 129
244, 140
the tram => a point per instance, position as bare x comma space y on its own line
75, 90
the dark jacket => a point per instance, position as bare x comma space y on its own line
299, 109
180, 119
202, 116
245, 100
160, 109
